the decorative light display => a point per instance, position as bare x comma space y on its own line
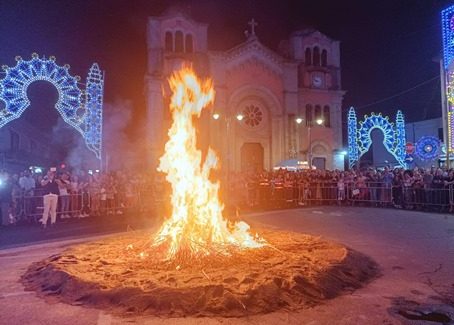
428, 148
450, 89
94, 100
450, 108
83, 111
447, 24
359, 140
353, 156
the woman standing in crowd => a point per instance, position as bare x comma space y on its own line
438, 183
64, 186
418, 186
94, 192
341, 189
75, 196
397, 188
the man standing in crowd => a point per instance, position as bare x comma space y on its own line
50, 190
27, 185
387, 186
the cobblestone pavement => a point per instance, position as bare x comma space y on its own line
414, 250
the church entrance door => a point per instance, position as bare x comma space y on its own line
252, 157
319, 163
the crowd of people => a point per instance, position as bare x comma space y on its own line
78, 194
411, 189
68, 193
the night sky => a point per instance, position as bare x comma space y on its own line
387, 47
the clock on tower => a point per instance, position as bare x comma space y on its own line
317, 80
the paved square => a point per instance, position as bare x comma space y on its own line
414, 250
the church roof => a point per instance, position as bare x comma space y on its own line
311, 31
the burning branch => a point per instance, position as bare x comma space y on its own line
196, 226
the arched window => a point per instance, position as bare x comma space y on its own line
316, 57
169, 42
189, 46
326, 116
318, 112
179, 42
308, 57
308, 115
324, 58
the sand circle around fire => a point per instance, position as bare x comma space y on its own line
295, 271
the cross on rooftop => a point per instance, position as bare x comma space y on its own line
252, 23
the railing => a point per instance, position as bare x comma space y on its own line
263, 196
269, 195
30, 208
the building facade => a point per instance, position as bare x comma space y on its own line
270, 89
23, 145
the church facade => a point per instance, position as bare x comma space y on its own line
290, 101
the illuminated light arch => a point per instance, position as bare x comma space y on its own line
447, 25
80, 109
428, 148
359, 140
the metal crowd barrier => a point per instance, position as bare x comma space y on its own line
262, 195
268, 195
30, 208
427, 198
317, 194
374, 194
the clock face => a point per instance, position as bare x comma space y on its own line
317, 81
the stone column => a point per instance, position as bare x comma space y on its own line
277, 139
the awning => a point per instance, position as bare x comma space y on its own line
292, 164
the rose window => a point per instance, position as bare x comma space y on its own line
253, 116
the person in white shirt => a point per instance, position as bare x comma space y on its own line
50, 189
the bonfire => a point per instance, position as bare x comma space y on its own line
196, 226
199, 263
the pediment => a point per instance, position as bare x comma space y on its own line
253, 51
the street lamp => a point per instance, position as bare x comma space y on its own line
298, 121
228, 118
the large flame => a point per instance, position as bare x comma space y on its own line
196, 226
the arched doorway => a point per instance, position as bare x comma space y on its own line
319, 163
319, 154
252, 154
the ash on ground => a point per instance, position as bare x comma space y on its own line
123, 275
